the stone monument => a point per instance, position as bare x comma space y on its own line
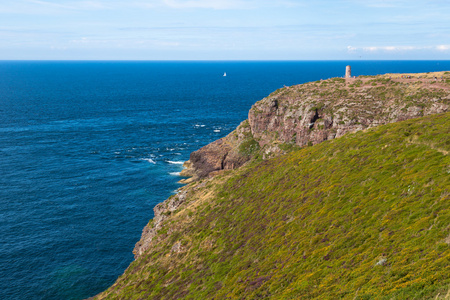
348, 72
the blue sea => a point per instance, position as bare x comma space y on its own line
87, 149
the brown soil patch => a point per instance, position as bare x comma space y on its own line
431, 80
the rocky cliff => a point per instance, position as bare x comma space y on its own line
226, 153
307, 114
311, 113
365, 216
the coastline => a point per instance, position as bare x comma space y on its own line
212, 162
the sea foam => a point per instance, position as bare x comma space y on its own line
149, 160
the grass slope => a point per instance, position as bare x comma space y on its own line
365, 216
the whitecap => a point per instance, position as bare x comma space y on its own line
175, 162
149, 160
174, 173
216, 130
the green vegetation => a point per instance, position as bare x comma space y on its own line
249, 147
289, 147
357, 83
380, 80
365, 216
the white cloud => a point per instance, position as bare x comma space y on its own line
214, 4
371, 49
70, 5
116, 43
47, 4
443, 47
380, 3
231, 4
53, 6
40, 7
395, 48
386, 48
352, 49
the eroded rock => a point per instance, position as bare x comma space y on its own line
314, 112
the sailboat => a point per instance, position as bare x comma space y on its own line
225, 74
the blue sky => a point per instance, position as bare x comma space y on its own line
224, 29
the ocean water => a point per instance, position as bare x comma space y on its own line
87, 149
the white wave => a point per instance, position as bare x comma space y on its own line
198, 125
175, 162
216, 130
149, 160
174, 173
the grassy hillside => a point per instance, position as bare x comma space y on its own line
365, 216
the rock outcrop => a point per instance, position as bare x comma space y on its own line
226, 153
311, 113
304, 115
264, 209
366, 214
186, 196
308, 114
162, 212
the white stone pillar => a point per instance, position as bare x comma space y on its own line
348, 72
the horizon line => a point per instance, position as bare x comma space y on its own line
211, 60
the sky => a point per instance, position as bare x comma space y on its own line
224, 29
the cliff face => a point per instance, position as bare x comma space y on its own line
162, 212
364, 216
226, 153
311, 113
